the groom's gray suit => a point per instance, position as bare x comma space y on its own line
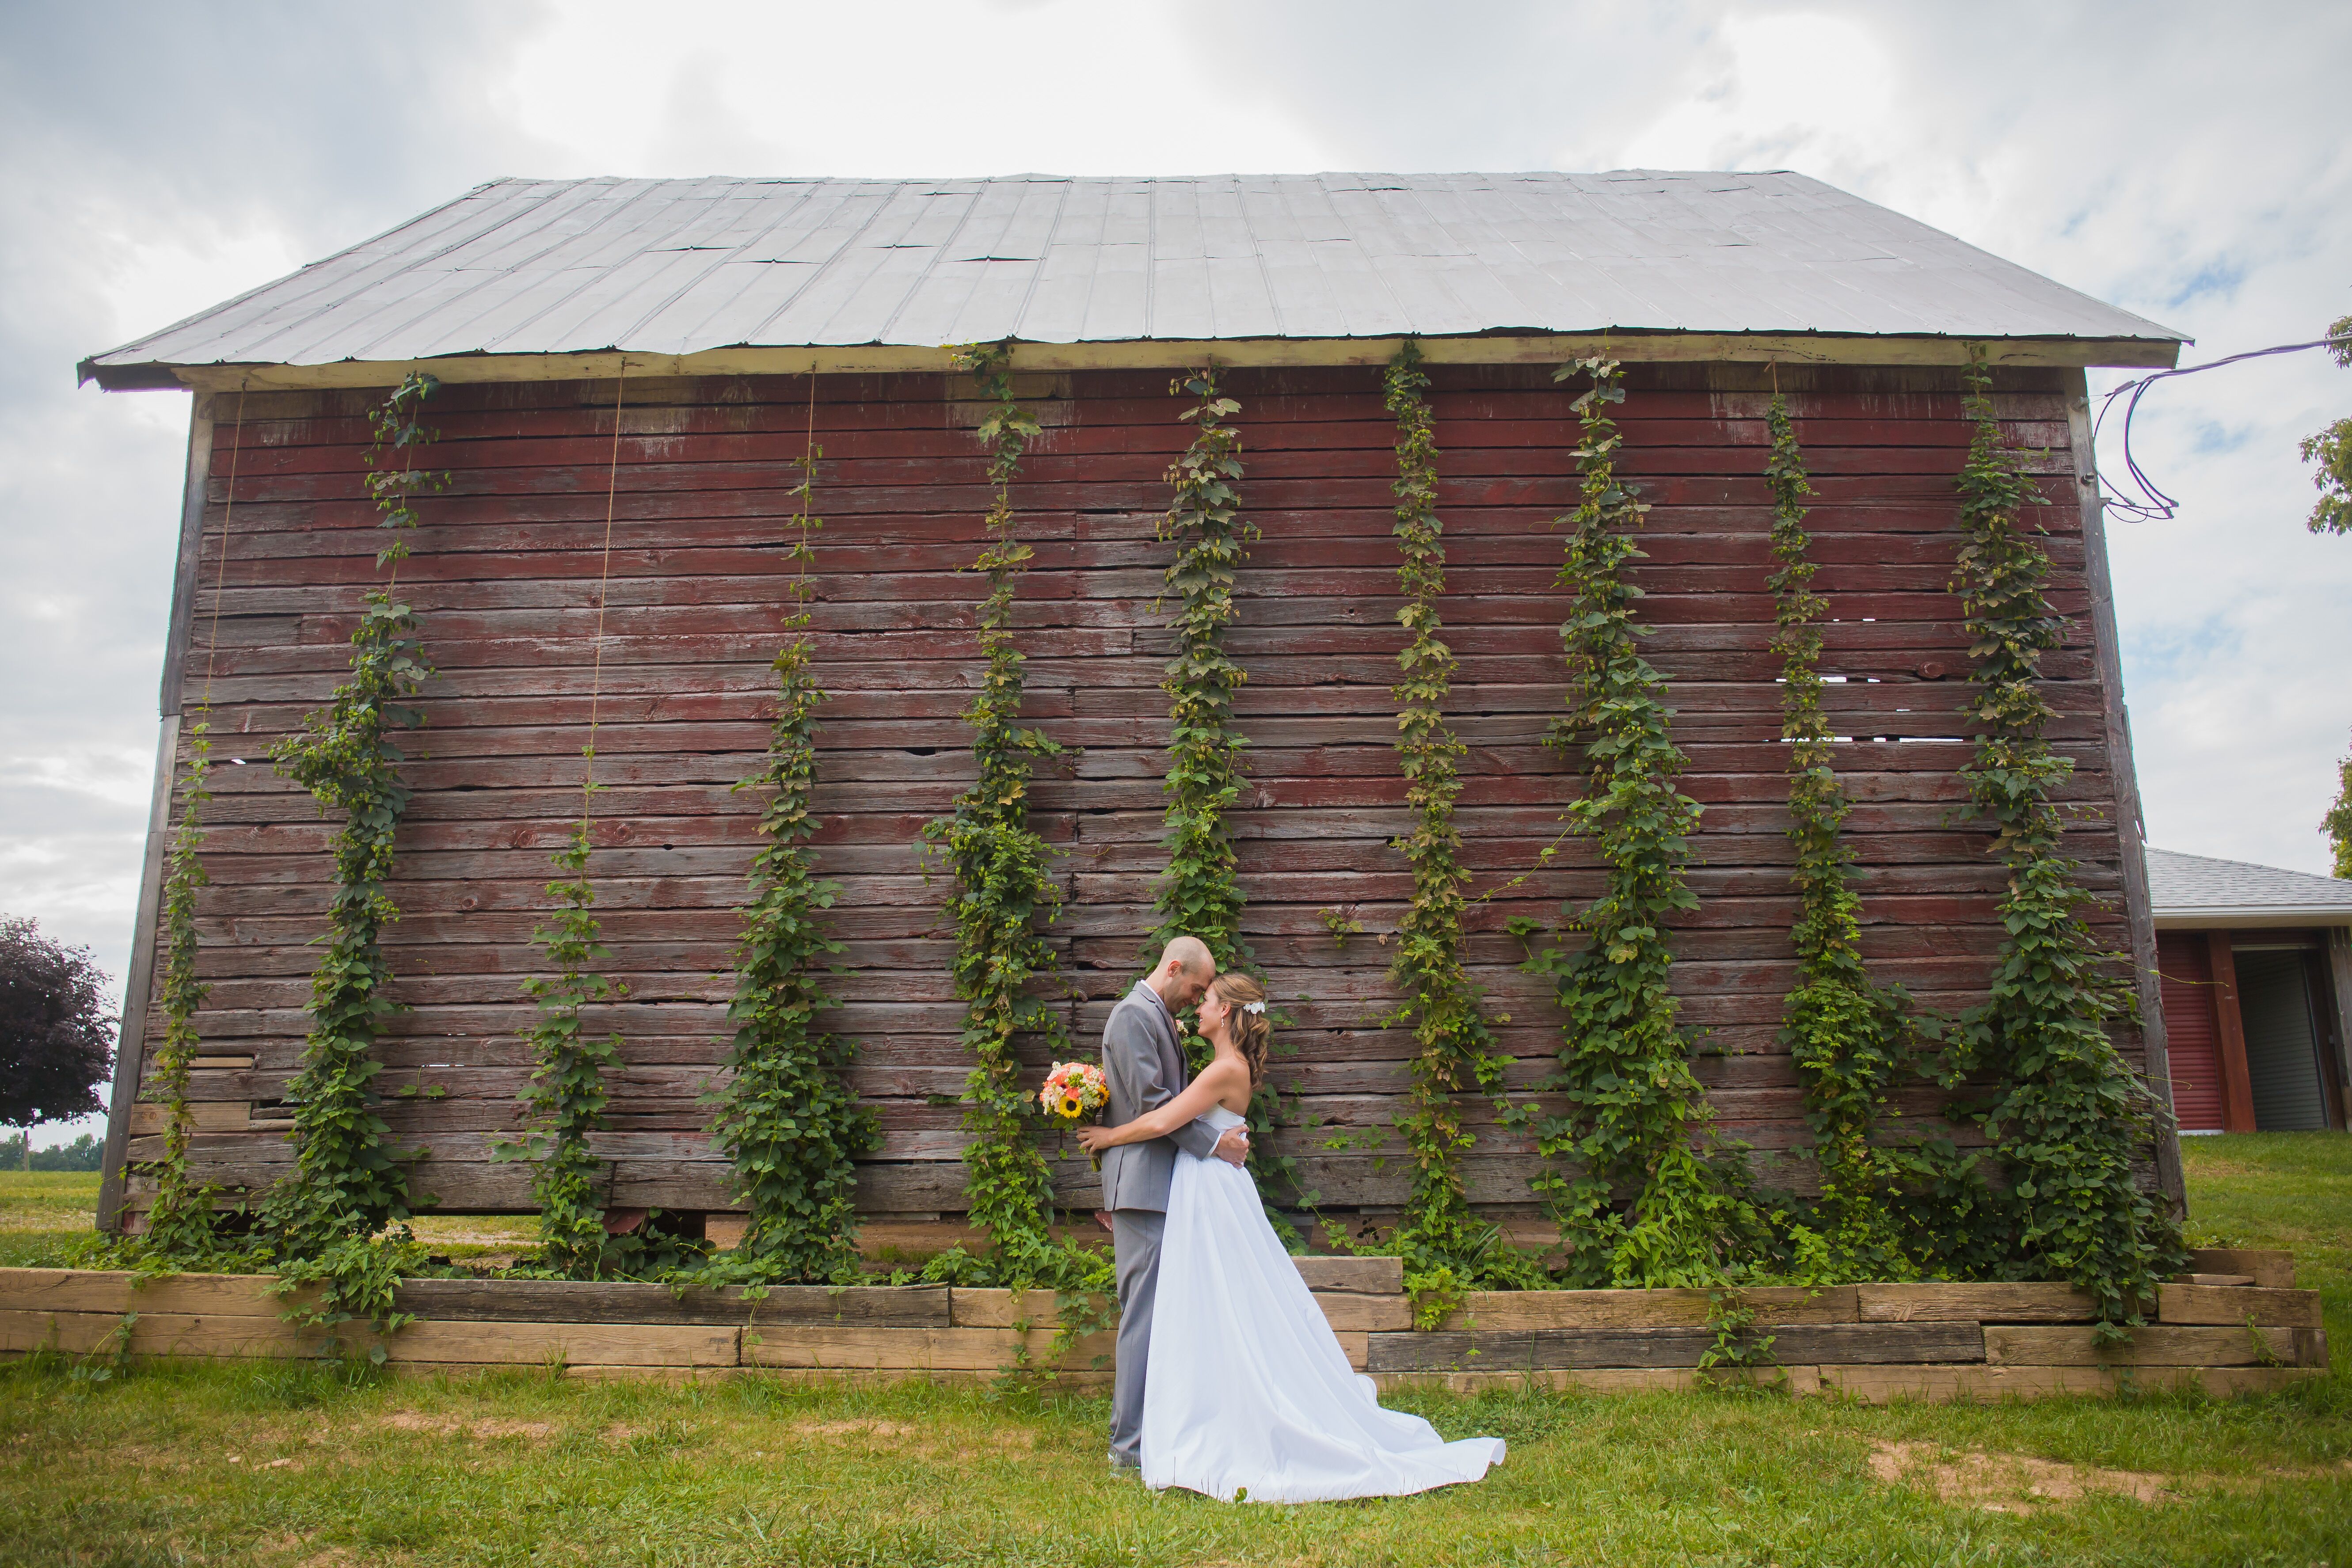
1145, 1068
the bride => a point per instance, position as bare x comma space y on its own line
1249, 1394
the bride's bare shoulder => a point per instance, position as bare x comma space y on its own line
1227, 1075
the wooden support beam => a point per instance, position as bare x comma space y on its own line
2237, 1079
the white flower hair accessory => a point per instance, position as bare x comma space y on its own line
1253, 1006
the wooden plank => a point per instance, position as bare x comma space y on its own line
1989, 1303
1378, 1314
1533, 1309
988, 1309
2237, 1304
1989, 1384
96, 1291
2270, 1268
1361, 1276
912, 1349
1601, 1380
2152, 1346
618, 1301
591, 1344
1551, 1348
154, 1333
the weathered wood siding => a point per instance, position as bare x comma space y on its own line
505, 575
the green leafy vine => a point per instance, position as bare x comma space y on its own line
181, 1220
1200, 894
1445, 1247
566, 1096
787, 1119
347, 1181
1004, 898
2066, 1115
1634, 1108
1851, 1039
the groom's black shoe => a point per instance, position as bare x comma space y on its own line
1124, 1466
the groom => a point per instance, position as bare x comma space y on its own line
1145, 1068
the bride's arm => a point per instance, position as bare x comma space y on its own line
1202, 1093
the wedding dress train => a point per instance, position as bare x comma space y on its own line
1249, 1393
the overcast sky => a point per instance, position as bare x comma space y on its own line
2180, 161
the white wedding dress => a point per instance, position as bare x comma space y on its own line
1249, 1393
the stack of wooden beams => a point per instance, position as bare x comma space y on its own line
2235, 1326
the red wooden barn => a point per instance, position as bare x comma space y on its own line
720, 320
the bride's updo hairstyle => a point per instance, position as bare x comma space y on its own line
1251, 1031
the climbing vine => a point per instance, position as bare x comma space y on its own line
181, 1218
1634, 1106
2065, 1114
1850, 1039
1005, 896
347, 1181
566, 1096
787, 1119
1453, 1043
1200, 894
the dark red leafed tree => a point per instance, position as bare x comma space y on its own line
56, 1033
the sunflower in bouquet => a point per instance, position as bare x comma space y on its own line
1073, 1092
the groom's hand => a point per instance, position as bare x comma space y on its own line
1233, 1147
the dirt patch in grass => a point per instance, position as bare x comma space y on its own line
477, 1427
836, 1431
2008, 1483
2018, 1483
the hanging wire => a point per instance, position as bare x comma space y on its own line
2150, 504
603, 591
220, 574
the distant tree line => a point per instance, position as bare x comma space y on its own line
81, 1154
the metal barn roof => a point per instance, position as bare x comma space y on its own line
681, 267
2196, 891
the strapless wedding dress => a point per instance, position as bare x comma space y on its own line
1249, 1393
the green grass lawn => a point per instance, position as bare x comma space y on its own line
302, 1464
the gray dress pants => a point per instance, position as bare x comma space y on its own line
1135, 1244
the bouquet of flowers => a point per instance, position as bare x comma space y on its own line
1073, 1092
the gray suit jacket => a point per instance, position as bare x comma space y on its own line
1145, 1070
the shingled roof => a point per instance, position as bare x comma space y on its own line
681, 267
2194, 890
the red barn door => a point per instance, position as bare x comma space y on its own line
2191, 1030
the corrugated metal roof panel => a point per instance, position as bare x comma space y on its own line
675, 267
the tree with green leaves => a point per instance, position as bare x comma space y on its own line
2332, 449
57, 1032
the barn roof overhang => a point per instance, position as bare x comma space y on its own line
538, 279
1755, 348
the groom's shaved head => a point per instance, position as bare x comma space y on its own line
1192, 955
